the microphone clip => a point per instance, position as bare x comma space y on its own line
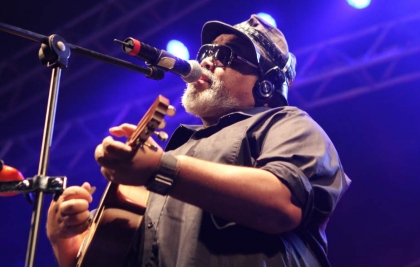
46, 184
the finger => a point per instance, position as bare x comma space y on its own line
76, 219
72, 230
124, 129
89, 188
86, 186
75, 192
108, 174
116, 149
73, 206
104, 159
99, 152
53, 208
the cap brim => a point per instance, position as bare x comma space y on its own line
212, 29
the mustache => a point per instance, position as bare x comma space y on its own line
210, 75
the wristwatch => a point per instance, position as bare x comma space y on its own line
165, 175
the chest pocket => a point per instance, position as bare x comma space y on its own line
229, 146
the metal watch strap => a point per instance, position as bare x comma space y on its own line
165, 175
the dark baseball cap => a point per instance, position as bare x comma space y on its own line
267, 41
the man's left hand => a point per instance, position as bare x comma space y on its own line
124, 164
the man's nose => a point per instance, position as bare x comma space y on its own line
208, 63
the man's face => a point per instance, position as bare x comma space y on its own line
222, 90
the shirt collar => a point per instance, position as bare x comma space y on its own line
186, 131
233, 116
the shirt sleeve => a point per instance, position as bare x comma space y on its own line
296, 149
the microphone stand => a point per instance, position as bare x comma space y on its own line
55, 52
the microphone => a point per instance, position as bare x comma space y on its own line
190, 71
8, 175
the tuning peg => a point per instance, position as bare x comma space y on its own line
152, 147
162, 124
171, 110
162, 135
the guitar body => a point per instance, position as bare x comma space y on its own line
114, 226
120, 213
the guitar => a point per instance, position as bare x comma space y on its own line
121, 209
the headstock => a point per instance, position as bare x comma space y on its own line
152, 120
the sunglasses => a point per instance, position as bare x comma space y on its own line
222, 55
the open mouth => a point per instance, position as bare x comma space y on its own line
204, 78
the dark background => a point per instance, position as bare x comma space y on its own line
358, 77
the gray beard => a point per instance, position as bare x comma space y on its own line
213, 102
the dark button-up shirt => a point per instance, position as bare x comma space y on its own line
284, 141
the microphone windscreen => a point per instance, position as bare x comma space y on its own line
195, 72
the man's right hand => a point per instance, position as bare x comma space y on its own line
68, 221
68, 216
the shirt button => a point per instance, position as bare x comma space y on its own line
149, 225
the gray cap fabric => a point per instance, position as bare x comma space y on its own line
268, 42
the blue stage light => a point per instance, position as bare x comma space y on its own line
268, 18
359, 4
178, 49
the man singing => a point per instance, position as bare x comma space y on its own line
254, 185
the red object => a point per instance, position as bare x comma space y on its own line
136, 48
8, 173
